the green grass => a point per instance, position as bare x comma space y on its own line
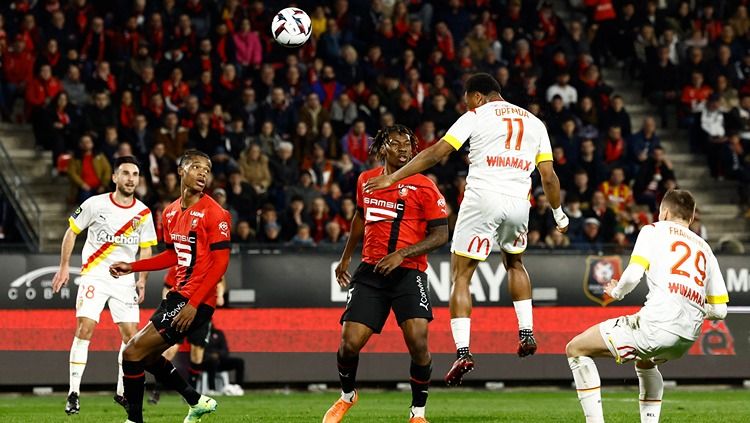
513, 405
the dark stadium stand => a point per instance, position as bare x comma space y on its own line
152, 78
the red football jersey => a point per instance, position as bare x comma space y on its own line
194, 233
170, 278
399, 216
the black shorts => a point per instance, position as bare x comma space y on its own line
201, 335
168, 310
372, 296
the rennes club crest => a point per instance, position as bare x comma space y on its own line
599, 271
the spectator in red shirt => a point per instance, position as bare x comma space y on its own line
89, 171
319, 217
18, 65
356, 143
175, 90
614, 146
98, 45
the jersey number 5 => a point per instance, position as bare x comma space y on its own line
184, 254
519, 135
700, 262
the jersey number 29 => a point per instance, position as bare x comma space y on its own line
700, 262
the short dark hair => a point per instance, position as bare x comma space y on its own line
482, 83
681, 203
190, 155
126, 159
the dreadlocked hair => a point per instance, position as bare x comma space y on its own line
383, 135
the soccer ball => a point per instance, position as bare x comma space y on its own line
291, 27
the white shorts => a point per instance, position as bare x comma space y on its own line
485, 219
633, 338
93, 293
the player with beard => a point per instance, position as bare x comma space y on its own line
196, 230
119, 226
400, 225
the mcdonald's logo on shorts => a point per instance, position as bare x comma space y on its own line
480, 243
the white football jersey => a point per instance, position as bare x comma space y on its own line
682, 274
115, 233
506, 144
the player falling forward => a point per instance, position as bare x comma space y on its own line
196, 230
393, 223
685, 287
118, 226
507, 142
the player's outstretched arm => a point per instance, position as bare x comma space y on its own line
423, 161
551, 186
356, 234
436, 237
63, 274
166, 259
628, 281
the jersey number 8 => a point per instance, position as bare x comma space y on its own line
700, 262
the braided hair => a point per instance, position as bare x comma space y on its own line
383, 135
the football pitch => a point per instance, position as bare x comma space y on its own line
702, 404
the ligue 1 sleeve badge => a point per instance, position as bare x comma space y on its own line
599, 271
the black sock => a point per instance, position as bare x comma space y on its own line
347, 372
195, 372
164, 372
133, 381
420, 383
462, 352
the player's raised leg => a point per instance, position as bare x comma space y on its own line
79, 352
354, 336
462, 269
580, 351
519, 285
651, 387
127, 331
420, 371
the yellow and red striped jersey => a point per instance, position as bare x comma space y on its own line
115, 233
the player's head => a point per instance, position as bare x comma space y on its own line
395, 144
478, 88
125, 175
677, 205
194, 168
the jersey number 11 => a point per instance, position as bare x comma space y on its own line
519, 135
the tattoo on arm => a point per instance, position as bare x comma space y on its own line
436, 237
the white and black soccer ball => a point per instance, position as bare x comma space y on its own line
291, 27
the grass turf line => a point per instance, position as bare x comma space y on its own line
376, 406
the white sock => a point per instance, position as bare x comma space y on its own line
120, 386
524, 314
588, 387
651, 385
79, 353
348, 396
417, 411
461, 328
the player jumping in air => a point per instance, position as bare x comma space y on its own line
685, 287
400, 226
118, 226
196, 230
507, 143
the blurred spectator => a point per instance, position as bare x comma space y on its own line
255, 168
172, 135
736, 165
661, 85
334, 237
618, 193
600, 210
89, 171
540, 217
241, 196
249, 50
562, 87
302, 238
651, 182
642, 144
590, 239
714, 134
217, 359
170, 187
243, 233
319, 216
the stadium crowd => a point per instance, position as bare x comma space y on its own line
288, 130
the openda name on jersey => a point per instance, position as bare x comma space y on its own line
511, 110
